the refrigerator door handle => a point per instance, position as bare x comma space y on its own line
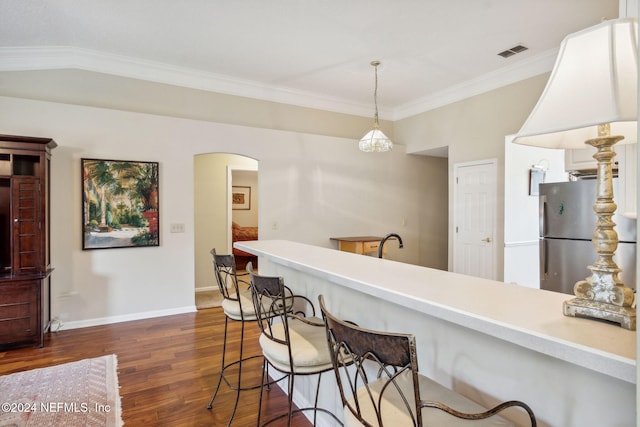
544, 262
542, 203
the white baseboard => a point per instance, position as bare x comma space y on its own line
207, 288
125, 318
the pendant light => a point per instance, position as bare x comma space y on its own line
375, 140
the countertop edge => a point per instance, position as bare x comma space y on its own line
616, 366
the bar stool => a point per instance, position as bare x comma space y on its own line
292, 343
379, 383
237, 305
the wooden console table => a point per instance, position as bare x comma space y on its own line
359, 244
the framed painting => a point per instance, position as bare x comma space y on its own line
241, 198
120, 206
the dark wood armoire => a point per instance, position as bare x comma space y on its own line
25, 266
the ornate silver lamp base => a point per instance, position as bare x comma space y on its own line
603, 295
580, 307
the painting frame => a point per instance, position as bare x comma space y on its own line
536, 177
120, 204
240, 198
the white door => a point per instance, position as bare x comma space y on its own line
474, 251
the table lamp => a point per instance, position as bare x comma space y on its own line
591, 98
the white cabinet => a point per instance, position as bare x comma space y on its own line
582, 159
625, 162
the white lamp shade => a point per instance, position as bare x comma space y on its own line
594, 81
375, 141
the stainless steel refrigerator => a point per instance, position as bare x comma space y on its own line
567, 222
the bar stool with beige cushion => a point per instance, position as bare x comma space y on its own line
237, 305
383, 386
293, 340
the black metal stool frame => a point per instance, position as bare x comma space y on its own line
355, 349
227, 278
270, 297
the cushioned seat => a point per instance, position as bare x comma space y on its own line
241, 308
308, 347
379, 383
395, 414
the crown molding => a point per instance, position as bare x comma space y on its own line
522, 70
63, 57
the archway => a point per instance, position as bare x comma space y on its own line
213, 213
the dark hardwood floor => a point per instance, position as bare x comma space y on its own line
167, 368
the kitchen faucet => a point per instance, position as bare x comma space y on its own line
385, 238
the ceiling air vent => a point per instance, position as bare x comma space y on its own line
512, 51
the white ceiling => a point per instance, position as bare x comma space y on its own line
313, 53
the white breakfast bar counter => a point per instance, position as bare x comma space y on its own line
488, 340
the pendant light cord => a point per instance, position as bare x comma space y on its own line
375, 94
375, 140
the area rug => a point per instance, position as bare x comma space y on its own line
82, 393
208, 299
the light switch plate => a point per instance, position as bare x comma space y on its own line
177, 228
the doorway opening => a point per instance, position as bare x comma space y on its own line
244, 212
215, 176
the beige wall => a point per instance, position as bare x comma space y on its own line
120, 93
312, 187
317, 186
474, 129
434, 215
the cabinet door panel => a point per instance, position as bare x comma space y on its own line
19, 311
26, 212
27, 230
27, 227
5, 225
27, 259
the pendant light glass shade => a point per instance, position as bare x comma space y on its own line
375, 140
